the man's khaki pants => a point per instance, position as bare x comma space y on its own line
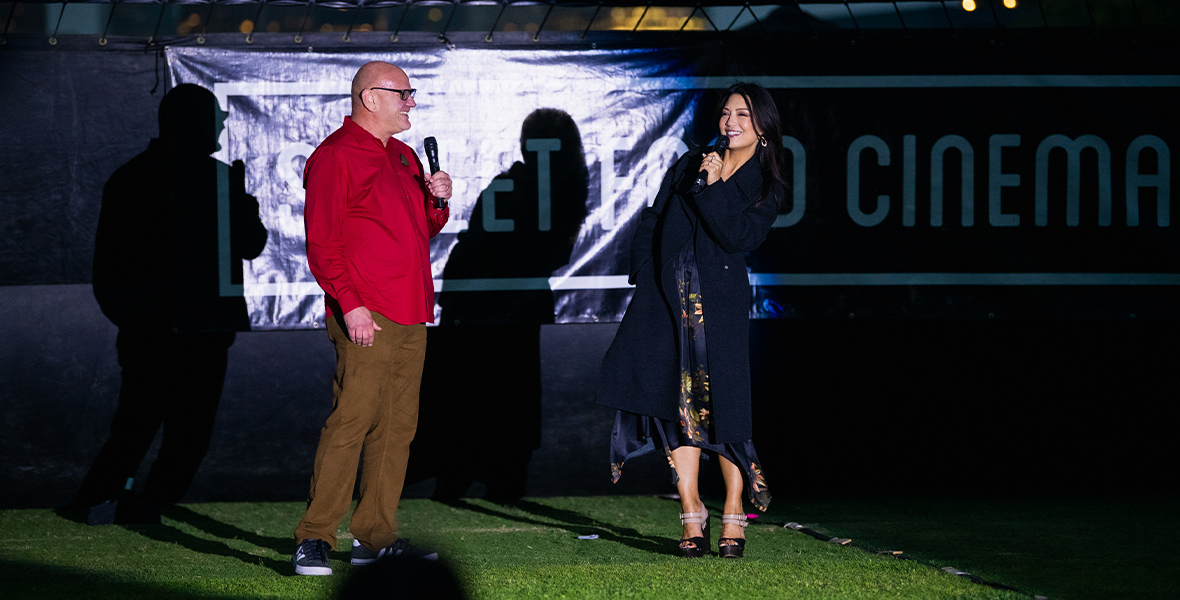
374, 415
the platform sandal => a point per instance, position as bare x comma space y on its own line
701, 542
738, 548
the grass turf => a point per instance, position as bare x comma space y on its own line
531, 550
1062, 547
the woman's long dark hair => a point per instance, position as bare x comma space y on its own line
764, 115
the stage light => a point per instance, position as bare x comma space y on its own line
968, 5
1009, 3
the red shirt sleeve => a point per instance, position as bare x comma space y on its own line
436, 218
326, 184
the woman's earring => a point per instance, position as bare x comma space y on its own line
762, 140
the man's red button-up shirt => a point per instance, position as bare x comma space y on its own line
369, 225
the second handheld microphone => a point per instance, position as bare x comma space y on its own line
703, 177
432, 159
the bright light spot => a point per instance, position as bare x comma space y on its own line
435, 14
247, 26
968, 5
1009, 3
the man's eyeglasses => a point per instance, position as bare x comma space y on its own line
406, 94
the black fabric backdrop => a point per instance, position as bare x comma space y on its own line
1003, 99
865, 398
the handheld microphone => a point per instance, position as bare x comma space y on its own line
432, 158
703, 177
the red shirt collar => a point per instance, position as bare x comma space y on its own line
359, 133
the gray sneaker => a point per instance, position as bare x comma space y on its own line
311, 558
402, 547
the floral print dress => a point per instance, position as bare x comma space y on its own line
635, 435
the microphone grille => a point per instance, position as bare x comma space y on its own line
722, 144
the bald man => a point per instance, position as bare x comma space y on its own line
369, 218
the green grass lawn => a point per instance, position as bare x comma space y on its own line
531, 550
1072, 548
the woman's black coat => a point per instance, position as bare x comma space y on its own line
641, 371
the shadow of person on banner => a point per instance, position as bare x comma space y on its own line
167, 259
480, 416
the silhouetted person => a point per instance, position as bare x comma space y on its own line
402, 578
157, 277
485, 415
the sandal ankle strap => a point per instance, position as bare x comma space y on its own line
734, 520
696, 518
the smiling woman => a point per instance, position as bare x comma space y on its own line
687, 262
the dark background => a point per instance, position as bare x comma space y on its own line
841, 406
1021, 402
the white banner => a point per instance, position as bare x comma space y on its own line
631, 118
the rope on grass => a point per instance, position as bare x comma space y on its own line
898, 554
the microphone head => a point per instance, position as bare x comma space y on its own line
722, 144
431, 153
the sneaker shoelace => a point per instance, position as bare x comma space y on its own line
315, 549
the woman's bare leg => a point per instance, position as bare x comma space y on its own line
734, 487
688, 468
